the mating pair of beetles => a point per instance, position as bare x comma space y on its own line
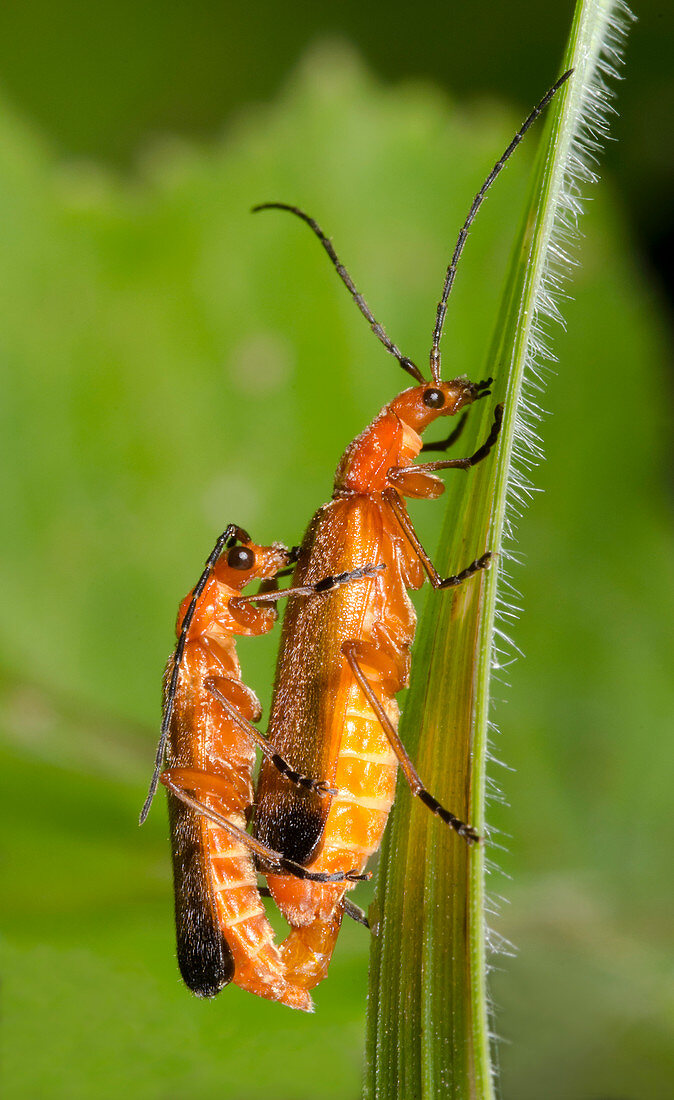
332, 749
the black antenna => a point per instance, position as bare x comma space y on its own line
378, 329
477, 202
232, 532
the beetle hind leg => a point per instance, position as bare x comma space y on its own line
350, 651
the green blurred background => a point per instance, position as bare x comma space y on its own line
171, 364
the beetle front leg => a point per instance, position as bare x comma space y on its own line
397, 473
445, 444
326, 584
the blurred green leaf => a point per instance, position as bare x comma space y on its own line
171, 364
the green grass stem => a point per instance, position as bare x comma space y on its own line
429, 1030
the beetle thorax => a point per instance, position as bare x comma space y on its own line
388, 441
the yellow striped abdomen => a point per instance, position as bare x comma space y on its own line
365, 778
258, 966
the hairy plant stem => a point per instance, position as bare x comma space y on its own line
428, 1032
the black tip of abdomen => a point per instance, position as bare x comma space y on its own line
292, 830
206, 965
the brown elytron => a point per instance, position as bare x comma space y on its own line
223, 934
340, 666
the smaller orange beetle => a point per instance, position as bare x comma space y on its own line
223, 934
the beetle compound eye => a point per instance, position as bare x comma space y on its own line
433, 399
240, 557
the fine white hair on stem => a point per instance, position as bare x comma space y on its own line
588, 113
429, 1014
596, 55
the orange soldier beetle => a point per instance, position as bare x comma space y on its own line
341, 665
222, 931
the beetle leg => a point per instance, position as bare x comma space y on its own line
397, 473
278, 862
355, 913
218, 687
445, 444
409, 771
408, 529
326, 584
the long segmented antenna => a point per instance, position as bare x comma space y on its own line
364, 308
232, 531
477, 202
